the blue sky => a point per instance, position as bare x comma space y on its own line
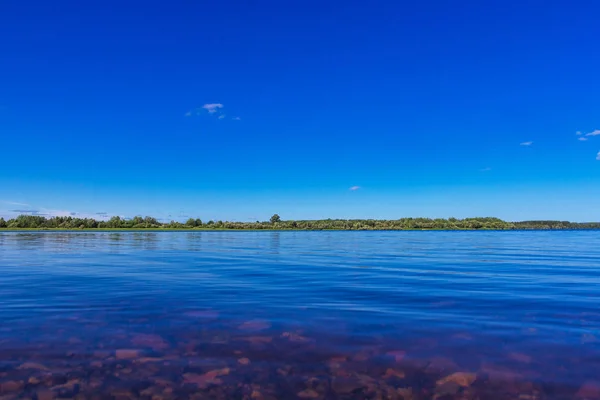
344, 109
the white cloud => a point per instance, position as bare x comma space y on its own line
354, 188
598, 156
593, 133
526, 143
14, 203
583, 139
49, 213
215, 109
579, 133
486, 169
212, 107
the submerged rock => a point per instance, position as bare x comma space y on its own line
207, 379
33, 365
255, 325
296, 338
308, 394
10, 386
346, 385
390, 372
44, 394
126, 354
464, 379
446, 389
152, 341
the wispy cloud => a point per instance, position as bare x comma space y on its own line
595, 132
47, 212
579, 133
212, 108
526, 143
236, 118
215, 109
598, 156
583, 139
486, 169
354, 188
26, 211
14, 203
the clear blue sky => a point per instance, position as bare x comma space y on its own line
424, 108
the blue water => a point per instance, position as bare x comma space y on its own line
504, 305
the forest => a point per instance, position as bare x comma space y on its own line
276, 223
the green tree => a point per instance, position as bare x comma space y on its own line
275, 218
3, 223
191, 223
114, 222
28, 221
175, 225
151, 222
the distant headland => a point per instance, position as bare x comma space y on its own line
37, 222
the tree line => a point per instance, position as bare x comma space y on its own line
276, 223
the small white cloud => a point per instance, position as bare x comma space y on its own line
486, 169
212, 107
579, 133
583, 139
526, 143
236, 118
598, 156
354, 188
593, 133
15, 203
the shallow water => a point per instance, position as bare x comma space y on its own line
300, 314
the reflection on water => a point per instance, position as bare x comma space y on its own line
300, 314
275, 237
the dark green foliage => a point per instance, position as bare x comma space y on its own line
175, 225
191, 223
27, 221
40, 222
151, 221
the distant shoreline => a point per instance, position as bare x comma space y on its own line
41, 223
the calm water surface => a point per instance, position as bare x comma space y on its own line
300, 314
